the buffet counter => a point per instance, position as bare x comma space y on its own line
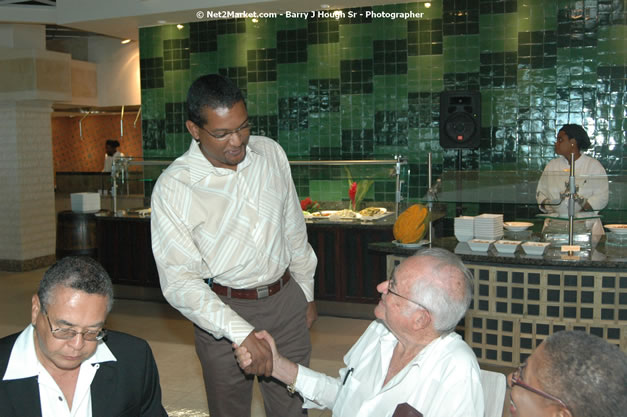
347, 271
519, 300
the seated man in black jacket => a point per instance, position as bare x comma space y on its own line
65, 362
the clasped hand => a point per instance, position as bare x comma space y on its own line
256, 354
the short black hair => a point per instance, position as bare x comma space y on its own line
579, 134
79, 273
586, 372
213, 91
113, 143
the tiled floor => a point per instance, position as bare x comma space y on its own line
171, 337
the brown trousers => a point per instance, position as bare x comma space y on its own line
229, 390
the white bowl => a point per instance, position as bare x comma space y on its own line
617, 228
506, 246
517, 226
479, 245
535, 248
462, 237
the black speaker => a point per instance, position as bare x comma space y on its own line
460, 119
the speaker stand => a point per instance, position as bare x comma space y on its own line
458, 203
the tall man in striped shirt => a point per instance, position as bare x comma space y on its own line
230, 243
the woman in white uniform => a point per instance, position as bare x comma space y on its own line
592, 189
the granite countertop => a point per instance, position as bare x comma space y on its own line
601, 257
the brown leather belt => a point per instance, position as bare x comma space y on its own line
253, 293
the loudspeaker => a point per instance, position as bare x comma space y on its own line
460, 119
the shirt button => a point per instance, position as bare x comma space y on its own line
60, 398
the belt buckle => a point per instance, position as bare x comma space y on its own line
263, 292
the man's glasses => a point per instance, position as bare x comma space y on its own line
391, 283
517, 380
65, 333
226, 133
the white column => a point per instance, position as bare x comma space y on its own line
27, 223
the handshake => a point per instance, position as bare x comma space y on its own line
258, 355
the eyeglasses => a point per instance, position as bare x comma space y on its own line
65, 333
405, 298
516, 379
392, 282
225, 134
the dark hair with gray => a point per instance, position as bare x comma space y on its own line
79, 273
579, 134
213, 91
586, 372
446, 307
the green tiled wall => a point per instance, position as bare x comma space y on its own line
368, 88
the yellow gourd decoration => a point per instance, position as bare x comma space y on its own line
410, 226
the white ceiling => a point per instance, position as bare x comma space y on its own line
122, 18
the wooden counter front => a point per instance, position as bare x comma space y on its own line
346, 270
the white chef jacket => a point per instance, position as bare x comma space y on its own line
23, 363
108, 161
242, 228
443, 380
590, 177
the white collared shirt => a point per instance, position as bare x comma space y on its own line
23, 363
443, 380
590, 178
108, 161
242, 228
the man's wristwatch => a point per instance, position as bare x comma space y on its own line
291, 388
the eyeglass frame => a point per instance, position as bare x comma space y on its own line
516, 379
391, 281
100, 334
223, 137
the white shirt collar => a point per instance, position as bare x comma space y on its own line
23, 362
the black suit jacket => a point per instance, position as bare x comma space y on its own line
128, 387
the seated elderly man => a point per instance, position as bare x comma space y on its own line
66, 364
409, 354
571, 374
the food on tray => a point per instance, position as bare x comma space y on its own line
411, 225
345, 213
372, 211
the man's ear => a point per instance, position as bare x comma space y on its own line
192, 129
421, 319
35, 308
563, 412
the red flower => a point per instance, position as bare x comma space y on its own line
305, 203
351, 193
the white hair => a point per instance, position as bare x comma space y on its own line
446, 307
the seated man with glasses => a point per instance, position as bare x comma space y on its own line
571, 374
410, 354
66, 364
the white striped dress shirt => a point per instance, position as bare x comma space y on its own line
242, 228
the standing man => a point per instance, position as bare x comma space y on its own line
66, 364
111, 154
230, 243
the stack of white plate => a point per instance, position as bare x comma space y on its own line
488, 226
464, 228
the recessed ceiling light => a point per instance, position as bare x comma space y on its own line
427, 5
179, 26
325, 6
161, 21
255, 20
125, 41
